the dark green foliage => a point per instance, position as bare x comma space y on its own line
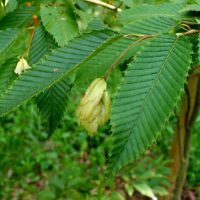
99, 64
7, 38
52, 103
7, 73
66, 39
17, 18
147, 98
52, 69
42, 44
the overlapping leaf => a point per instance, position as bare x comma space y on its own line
171, 10
52, 102
98, 65
60, 23
147, 96
151, 25
53, 68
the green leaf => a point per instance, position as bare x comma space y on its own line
7, 37
145, 11
129, 189
18, 18
160, 190
52, 103
191, 7
96, 24
99, 64
147, 96
150, 25
41, 45
11, 6
2, 10
7, 73
145, 190
63, 27
53, 68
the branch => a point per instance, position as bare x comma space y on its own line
190, 32
142, 37
106, 5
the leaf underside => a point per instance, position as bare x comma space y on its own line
148, 94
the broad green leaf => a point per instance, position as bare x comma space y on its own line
60, 22
52, 102
145, 11
7, 38
53, 68
147, 96
17, 18
150, 25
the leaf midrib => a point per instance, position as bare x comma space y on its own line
145, 99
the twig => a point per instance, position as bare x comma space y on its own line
190, 32
112, 67
30, 41
106, 5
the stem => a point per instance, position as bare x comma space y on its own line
106, 5
188, 116
112, 67
190, 32
30, 42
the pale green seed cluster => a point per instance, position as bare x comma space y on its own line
94, 107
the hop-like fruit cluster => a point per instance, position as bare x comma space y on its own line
94, 107
22, 65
